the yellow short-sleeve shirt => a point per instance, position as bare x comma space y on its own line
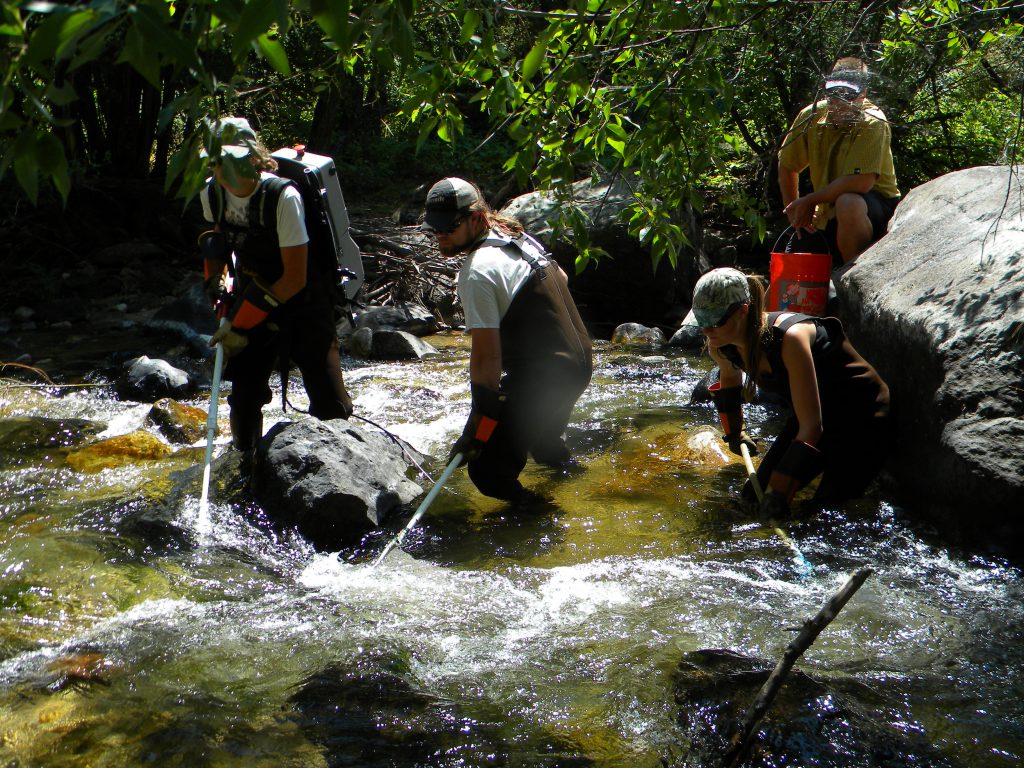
830, 151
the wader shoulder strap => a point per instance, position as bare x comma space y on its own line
264, 202
789, 322
215, 194
526, 244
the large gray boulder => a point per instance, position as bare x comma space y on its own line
331, 479
621, 287
937, 307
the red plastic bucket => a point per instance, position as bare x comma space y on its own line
798, 282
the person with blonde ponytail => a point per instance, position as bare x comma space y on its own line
839, 426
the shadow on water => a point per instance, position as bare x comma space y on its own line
624, 618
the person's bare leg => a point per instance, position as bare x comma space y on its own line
336, 377
853, 227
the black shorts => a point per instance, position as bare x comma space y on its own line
880, 210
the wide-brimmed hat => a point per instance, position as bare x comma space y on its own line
448, 201
237, 138
717, 293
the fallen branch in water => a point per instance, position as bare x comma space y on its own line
741, 741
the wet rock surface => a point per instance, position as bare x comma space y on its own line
331, 479
937, 306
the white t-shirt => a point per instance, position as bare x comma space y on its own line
489, 280
291, 216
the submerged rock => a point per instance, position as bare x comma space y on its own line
331, 479
178, 422
689, 335
411, 318
118, 451
22, 437
831, 724
635, 333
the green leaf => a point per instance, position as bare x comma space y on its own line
470, 22
53, 38
135, 53
9, 121
90, 48
254, 22
274, 53
27, 173
532, 61
61, 96
333, 20
159, 36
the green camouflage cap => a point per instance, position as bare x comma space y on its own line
717, 292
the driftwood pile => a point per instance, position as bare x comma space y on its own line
402, 265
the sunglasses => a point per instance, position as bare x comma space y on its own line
456, 223
732, 310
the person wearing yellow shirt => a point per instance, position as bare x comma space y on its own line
845, 143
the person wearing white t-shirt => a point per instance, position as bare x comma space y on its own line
530, 357
280, 309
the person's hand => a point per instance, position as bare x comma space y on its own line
484, 415
774, 506
800, 213
230, 340
739, 439
470, 442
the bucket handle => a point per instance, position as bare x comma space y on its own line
789, 242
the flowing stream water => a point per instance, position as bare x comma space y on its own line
133, 631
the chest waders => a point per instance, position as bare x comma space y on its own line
542, 330
546, 359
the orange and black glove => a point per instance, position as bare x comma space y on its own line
252, 307
484, 416
729, 404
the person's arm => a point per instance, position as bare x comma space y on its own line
803, 381
802, 459
728, 374
487, 401
293, 279
789, 184
727, 395
485, 357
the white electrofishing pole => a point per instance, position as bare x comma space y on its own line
452, 466
801, 561
211, 425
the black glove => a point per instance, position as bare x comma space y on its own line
774, 506
800, 464
484, 416
741, 438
